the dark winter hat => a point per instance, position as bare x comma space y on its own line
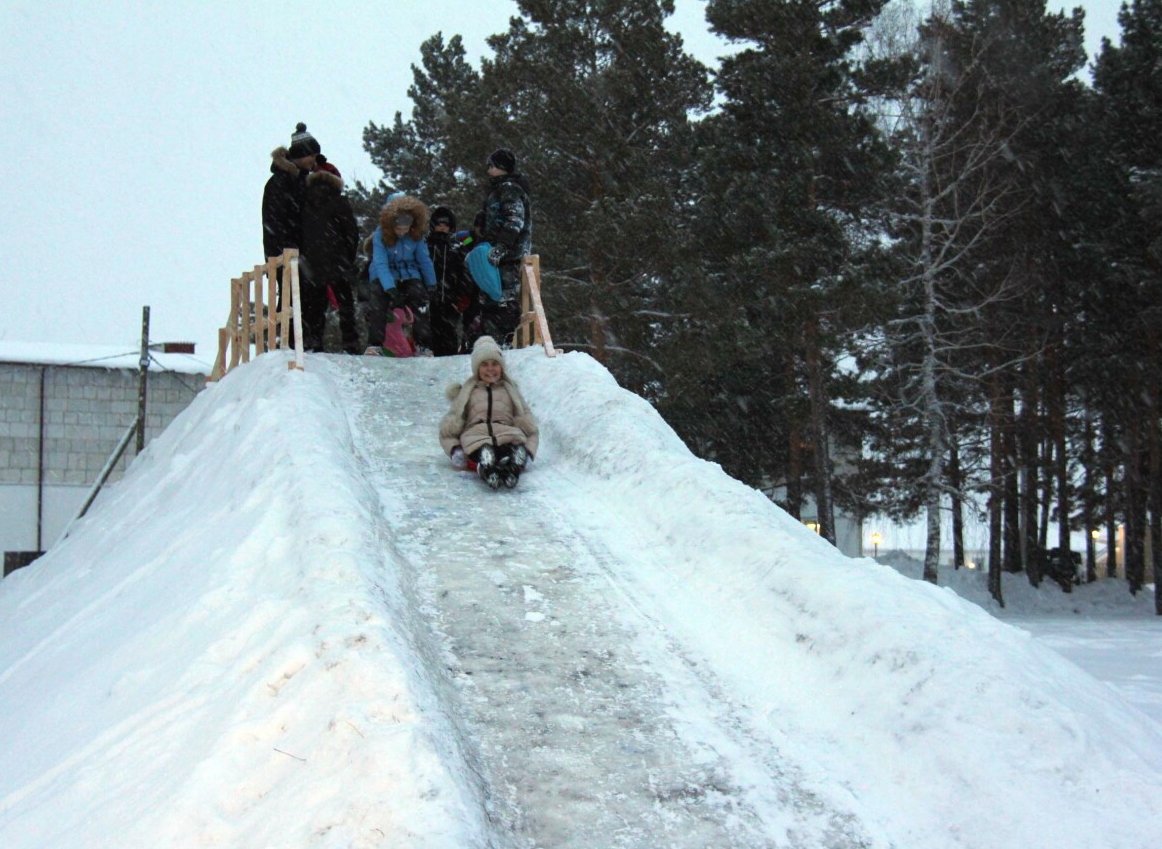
503, 159
303, 143
443, 215
484, 350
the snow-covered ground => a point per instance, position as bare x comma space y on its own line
294, 624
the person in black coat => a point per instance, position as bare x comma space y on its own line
508, 227
454, 289
330, 240
282, 198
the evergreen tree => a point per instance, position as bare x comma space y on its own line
436, 154
598, 99
1130, 90
791, 175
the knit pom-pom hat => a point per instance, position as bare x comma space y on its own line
485, 349
303, 143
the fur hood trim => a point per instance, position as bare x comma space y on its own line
320, 179
404, 204
280, 159
452, 390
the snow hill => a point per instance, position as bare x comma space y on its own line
293, 624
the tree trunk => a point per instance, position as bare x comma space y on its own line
794, 451
955, 484
1135, 509
1111, 503
1155, 498
1089, 466
817, 397
1027, 459
995, 501
1012, 499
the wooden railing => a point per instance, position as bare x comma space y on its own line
257, 320
263, 323
533, 328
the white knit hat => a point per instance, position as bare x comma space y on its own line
485, 349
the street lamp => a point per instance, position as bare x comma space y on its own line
876, 539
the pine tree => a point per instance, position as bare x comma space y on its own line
436, 154
791, 175
1130, 91
599, 97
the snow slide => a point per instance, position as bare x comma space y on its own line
293, 624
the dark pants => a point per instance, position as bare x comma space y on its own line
313, 305
313, 309
447, 326
499, 319
345, 298
407, 293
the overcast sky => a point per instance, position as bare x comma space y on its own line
138, 137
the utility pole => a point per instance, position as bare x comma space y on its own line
142, 378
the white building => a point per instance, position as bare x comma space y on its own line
63, 411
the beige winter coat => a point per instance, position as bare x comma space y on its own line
471, 425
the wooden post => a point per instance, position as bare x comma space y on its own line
523, 336
219, 369
532, 274
272, 304
244, 301
297, 308
284, 310
259, 319
235, 334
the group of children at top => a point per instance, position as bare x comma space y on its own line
416, 278
419, 289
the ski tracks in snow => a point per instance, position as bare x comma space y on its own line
589, 726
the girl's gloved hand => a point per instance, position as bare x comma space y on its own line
459, 460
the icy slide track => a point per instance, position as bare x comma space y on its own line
293, 624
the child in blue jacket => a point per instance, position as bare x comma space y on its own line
401, 271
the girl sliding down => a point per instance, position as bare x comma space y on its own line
489, 422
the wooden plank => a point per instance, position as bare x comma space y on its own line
284, 311
235, 307
272, 301
219, 369
524, 336
259, 319
247, 282
296, 306
532, 269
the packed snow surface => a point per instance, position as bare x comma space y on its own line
294, 624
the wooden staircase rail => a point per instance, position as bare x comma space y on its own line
258, 321
533, 328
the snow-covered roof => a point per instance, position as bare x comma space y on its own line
98, 356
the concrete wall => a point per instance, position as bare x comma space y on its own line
86, 412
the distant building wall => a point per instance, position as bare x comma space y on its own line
87, 411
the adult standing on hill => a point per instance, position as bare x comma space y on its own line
282, 199
330, 242
508, 227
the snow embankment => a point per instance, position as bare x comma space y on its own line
221, 653
943, 726
214, 656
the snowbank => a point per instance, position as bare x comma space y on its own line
216, 654
943, 726
222, 652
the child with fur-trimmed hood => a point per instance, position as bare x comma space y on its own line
401, 272
489, 421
